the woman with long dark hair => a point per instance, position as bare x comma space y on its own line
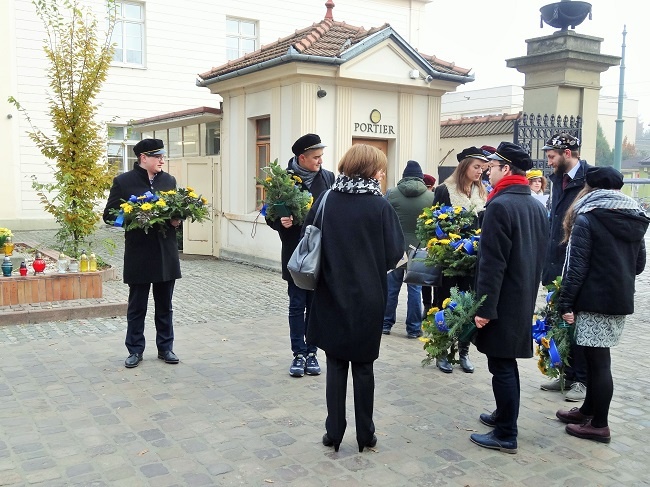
605, 232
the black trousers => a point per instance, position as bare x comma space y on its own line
576, 371
336, 382
506, 389
163, 317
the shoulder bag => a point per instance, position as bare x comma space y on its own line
304, 264
418, 272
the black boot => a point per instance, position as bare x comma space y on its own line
443, 364
427, 307
463, 354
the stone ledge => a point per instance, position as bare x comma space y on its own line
63, 313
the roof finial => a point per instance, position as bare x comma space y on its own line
330, 5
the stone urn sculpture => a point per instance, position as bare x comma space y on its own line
565, 14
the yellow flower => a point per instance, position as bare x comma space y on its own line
161, 203
146, 206
423, 340
142, 197
477, 231
458, 209
454, 236
545, 343
204, 200
541, 366
171, 191
444, 241
432, 242
428, 222
189, 189
432, 311
192, 194
443, 216
297, 178
268, 179
446, 302
126, 207
423, 215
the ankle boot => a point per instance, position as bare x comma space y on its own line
463, 353
427, 307
443, 364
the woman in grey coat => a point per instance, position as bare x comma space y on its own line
361, 241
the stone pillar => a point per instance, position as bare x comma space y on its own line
563, 78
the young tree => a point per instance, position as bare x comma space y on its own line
78, 64
604, 155
628, 150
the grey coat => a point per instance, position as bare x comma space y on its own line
513, 239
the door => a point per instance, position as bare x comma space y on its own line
380, 144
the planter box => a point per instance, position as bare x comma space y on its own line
49, 287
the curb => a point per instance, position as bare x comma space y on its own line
95, 310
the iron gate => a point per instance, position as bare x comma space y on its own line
532, 130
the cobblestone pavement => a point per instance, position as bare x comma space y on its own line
229, 414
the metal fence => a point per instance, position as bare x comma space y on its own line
532, 130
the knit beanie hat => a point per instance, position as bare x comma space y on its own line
412, 170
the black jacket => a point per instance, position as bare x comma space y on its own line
148, 257
361, 241
560, 202
508, 272
607, 252
291, 236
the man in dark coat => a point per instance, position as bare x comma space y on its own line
408, 199
149, 258
509, 270
568, 179
306, 164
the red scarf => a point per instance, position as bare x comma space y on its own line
505, 182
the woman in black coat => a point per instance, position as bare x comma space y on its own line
361, 241
605, 252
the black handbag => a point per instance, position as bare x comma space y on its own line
419, 273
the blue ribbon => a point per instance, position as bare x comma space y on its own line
119, 221
439, 232
554, 354
263, 210
440, 321
467, 244
540, 328
549, 296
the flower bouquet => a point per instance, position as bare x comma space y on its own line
552, 335
155, 210
282, 195
452, 238
443, 328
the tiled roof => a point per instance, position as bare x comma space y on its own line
478, 126
327, 38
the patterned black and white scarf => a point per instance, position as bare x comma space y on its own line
356, 185
607, 199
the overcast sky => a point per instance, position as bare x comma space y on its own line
482, 34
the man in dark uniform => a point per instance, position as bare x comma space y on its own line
306, 164
509, 269
149, 258
568, 178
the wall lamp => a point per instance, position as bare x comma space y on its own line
321, 93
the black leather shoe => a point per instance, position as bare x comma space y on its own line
490, 441
488, 419
370, 444
168, 356
133, 360
327, 441
444, 365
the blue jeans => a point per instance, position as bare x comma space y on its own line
413, 303
299, 304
